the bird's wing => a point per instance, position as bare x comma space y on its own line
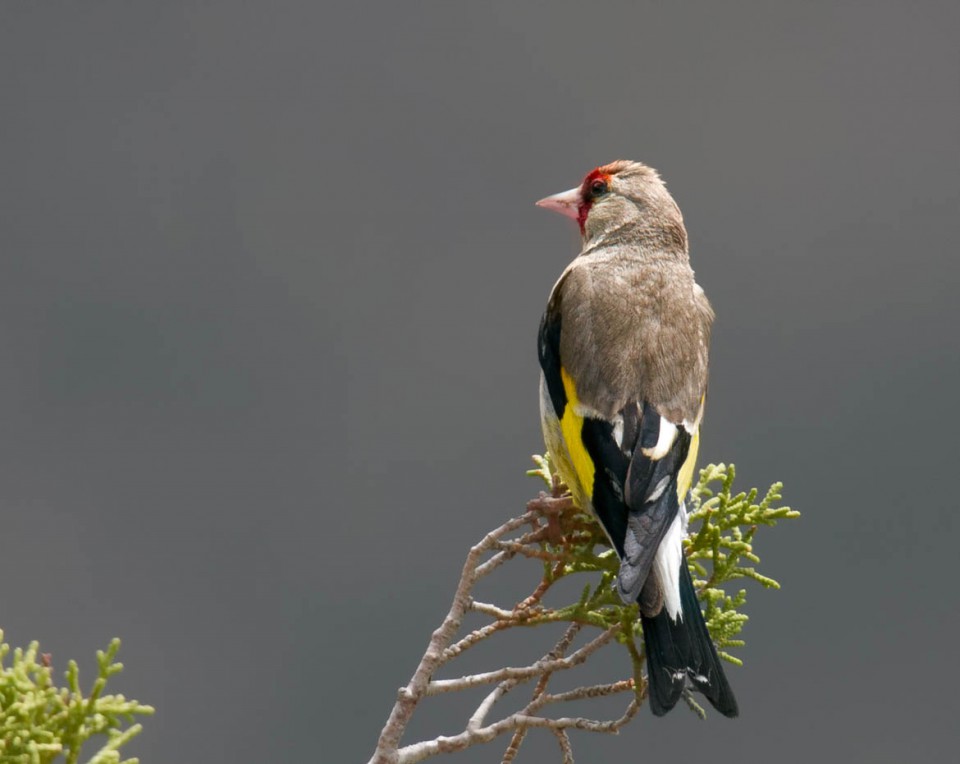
633, 469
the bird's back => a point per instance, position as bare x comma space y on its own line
635, 328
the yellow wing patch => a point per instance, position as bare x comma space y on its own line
571, 425
685, 476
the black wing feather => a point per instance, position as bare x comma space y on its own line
682, 650
651, 498
610, 476
635, 516
548, 351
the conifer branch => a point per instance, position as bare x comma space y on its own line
40, 722
567, 541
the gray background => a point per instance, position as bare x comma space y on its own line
270, 281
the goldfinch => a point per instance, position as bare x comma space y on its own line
623, 348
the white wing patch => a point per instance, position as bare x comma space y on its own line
668, 561
658, 491
618, 430
668, 434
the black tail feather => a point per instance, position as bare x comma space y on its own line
683, 650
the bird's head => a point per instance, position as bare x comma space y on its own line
622, 201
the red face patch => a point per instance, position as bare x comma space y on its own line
594, 185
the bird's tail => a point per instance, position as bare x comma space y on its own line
677, 650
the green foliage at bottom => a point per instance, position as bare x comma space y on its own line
41, 723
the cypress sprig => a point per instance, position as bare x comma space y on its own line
40, 723
719, 548
723, 526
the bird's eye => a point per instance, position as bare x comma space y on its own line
598, 187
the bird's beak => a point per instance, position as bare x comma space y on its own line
566, 203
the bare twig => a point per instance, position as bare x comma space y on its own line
525, 673
480, 715
566, 750
557, 652
528, 551
419, 751
542, 588
692, 704
511, 547
514, 747
492, 610
473, 638
582, 693
544, 517
409, 696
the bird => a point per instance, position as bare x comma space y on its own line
623, 347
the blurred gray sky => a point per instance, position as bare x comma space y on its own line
270, 281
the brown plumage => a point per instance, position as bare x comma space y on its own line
636, 324
624, 346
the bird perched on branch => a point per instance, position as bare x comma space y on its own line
623, 349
